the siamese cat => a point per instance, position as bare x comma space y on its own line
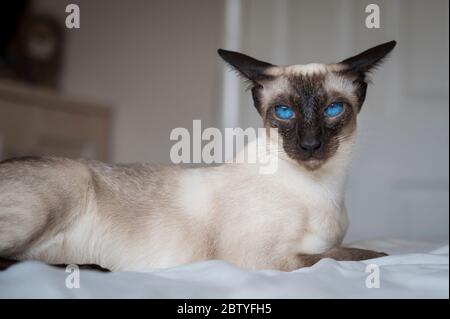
141, 216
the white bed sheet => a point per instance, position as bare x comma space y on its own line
413, 270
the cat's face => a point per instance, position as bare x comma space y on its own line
313, 106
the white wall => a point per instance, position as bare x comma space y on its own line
399, 181
154, 61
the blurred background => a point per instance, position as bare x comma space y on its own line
114, 88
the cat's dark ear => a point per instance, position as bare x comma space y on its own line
250, 68
368, 60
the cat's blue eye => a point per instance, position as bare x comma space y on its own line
334, 109
284, 112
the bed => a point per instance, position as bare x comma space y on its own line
412, 270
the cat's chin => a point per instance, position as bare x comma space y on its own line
311, 164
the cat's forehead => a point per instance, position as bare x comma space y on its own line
312, 69
315, 78
307, 69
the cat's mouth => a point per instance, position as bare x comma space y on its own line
310, 162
